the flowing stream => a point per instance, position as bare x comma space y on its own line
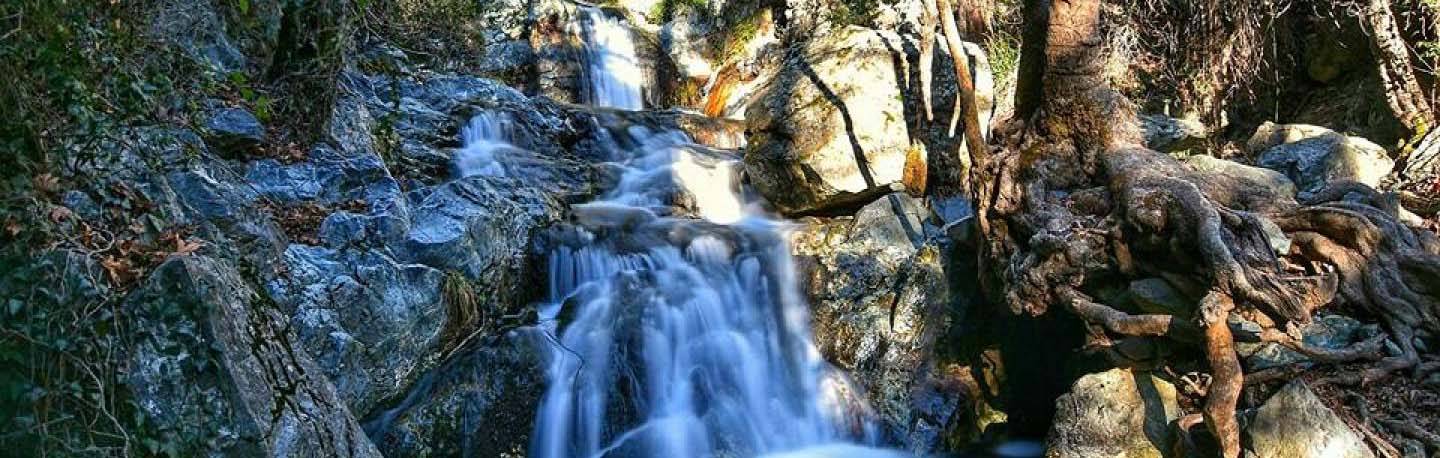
679, 329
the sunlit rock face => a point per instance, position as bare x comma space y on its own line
842, 122
1118, 413
881, 305
830, 129
1312, 156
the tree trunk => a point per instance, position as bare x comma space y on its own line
1402, 91
1029, 83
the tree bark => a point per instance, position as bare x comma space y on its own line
1402, 90
1029, 83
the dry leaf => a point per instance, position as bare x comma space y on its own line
47, 183
13, 227
119, 269
60, 213
183, 246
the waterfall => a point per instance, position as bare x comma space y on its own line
612, 68
677, 323
487, 133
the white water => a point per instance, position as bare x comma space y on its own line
678, 336
487, 134
613, 70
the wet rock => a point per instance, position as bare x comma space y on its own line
1312, 156
1117, 413
234, 132
830, 130
878, 295
482, 403
1294, 423
214, 363
328, 176
372, 324
1166, 134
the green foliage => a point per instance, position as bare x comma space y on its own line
665, 10
1004, 52
59, 394
84, 75
85, 70
855, 12
444, 34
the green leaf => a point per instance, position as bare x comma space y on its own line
14, 306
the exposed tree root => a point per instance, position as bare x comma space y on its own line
1075, 207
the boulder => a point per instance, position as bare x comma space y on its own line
1241, 186
481, 403
877, 291
1114, 414
830, 130
1270, 135
214, 365
481, 226
372, 324
1295, 423
1156, 296
1312, 156
233, 132
1167, 134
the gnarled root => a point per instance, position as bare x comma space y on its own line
1227, 381
1385, 267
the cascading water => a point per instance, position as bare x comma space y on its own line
613, 70
678, 336
487, 134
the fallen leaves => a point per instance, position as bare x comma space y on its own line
129, 259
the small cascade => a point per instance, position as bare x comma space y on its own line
678, 326
612, 68
487, 134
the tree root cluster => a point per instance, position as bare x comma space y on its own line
1146, 217
1070, 206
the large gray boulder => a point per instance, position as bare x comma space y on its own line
838, 120
1114, 414
1240, 186
371, 324
1313, 156
878, 295
481, 403
214, 364
1294, 423
830, 129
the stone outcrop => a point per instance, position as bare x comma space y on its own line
1294, 423
1167, 134
1314, 156
1114, 414
215, 363
481, 403
829, 130
877, 288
